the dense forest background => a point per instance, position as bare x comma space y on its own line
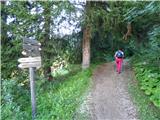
75, 35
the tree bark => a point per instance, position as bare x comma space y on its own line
46, 54
86, 39
86, 48
129, 30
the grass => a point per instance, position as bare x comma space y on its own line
146, 110
56, 100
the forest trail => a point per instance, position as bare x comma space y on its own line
109, 98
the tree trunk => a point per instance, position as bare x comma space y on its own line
86, 38
46, 54
86, 48
3, 24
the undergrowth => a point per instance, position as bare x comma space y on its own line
149, 80
145, 109
56, 100
144, 87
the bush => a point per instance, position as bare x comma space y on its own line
149, 80
56, 100
14, 100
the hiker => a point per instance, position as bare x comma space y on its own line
119, 55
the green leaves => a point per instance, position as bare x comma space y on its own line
149, 80
156, 96
15, 100
59, 100
144, 16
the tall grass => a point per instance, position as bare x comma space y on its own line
56, 100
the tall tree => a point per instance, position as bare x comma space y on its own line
94, 28
50, 41
86, 38
46, 52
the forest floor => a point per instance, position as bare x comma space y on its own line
108, 98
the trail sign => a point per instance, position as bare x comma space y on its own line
31, 41
31, 47
29, 60
28, 65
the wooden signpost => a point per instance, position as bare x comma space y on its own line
31, 49
30, 59
28, 65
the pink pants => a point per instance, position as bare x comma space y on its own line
119, 64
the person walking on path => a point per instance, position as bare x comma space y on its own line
119, 55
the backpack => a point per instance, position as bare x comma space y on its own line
119, 54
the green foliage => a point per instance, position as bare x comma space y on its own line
143, 10
59, 101
56, 100
149, 80
146, 45
146, 110
99, 56
147, 68
26, 19
107, 26
10, 53
14, 100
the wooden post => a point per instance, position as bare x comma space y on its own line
32, 88
31, 49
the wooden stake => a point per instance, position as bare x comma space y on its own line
32, 88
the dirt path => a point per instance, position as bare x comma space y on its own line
109, 98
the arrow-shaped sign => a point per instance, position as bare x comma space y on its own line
28, 65
29, 59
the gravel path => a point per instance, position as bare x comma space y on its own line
109, 98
